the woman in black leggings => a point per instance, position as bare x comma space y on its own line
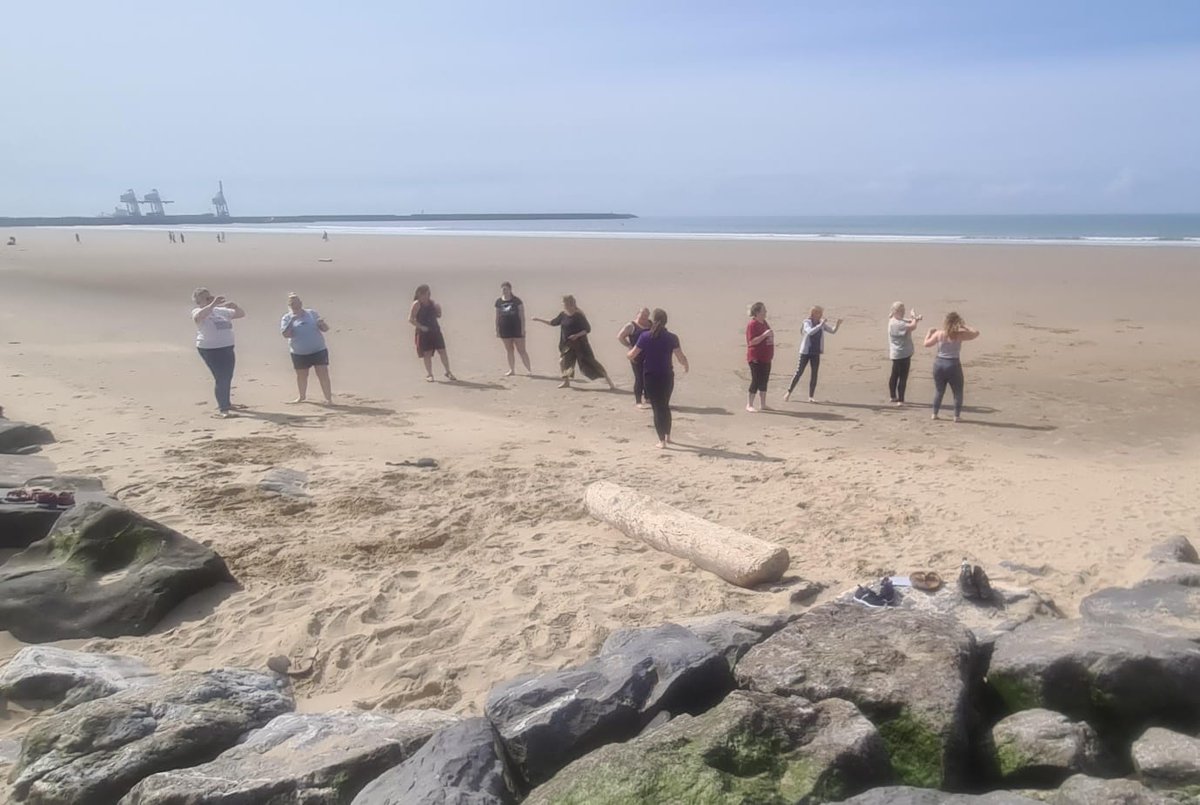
656, 349
760, 350
900, 350
947, 366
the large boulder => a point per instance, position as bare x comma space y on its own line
97, 751
310, 758
752, 747
104, 571
1084, 790
41, 677
1166, 759
732, 634
22, 524
1117, 679
461, 765
913, 674
907, 795
547, 720
1184, 573
1167, 609
16, 437
987, 620
1175, 549
1041, 749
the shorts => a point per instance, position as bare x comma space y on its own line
308, 361
429, 342
510, 327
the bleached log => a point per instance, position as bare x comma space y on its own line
736, 557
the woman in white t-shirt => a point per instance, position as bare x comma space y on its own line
900, 350
214, 317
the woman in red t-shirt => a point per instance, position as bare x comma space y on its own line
760, 349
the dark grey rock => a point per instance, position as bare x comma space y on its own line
904, 795
912, 673
1166, 759
690, 675
461, 765
1041, 749
1083, 790
732, 634
40, 677
1119, 680
1167, 609
22, 524
286, 482
14, 469
95, 752
103, 571
752, 747
310, 758
1184, 573
547, 720
1007, 609
1175, 549
17, 436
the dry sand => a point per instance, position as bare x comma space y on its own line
424, 588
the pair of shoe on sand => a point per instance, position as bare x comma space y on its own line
973, 583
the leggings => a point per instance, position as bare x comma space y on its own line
947, 371
220, 362
760, 373
899, 379
639, 380
805, 360
658, 392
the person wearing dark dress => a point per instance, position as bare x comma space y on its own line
658, 348
573, 347
628, 336
510, 327
423, 316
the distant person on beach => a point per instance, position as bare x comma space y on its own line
12, 240
760, 351
510, 327
325, 236
305, 331
424, 315
181, 238
171, 236
812, 344
629, 335
573, 347
900, 350
947, 366
656, 350
77, 240
214, 317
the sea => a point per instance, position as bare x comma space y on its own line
1157, 230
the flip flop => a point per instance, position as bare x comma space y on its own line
18, 496
929, 581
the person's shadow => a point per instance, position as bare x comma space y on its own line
701, 411
717, 452
468, 384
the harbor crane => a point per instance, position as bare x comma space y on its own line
130, 200
155, 201
219, 201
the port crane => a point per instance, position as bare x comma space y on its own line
156, 202
219, 201
130, 200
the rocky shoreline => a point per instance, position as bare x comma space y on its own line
938, 700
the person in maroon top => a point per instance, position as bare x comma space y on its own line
760, 349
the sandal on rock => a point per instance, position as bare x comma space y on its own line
18, 496
929, 581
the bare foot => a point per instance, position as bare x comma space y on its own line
296, 401
329, 401
643, 406
566, 384
935, 416
750, 409
451, 377
787, 395
958, 419
812, 399
225, 415
509, 373
898, 403
661, 445
428, 378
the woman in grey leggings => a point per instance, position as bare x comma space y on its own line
947, 366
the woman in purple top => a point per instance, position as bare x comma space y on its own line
657, 348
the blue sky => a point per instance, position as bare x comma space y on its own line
657, 108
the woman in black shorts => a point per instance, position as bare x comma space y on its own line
424, 315
510, 327
305, 331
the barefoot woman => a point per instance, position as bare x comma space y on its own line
947, 366
305, 331
657, 348
424, 315
510, 327
573, 347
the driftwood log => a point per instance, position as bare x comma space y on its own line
736, 557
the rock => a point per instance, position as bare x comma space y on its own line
905, 795
1184, 573
732, 634
987, 620
1166, 609
103, 571
286, 482
16, 436
461, 765
547, 720
310, 758
1119, 680
752, 747
1165, 759
14, 469
1083, 790
22, 524
40, 677
1175, 549
95, 752
804, 591
690, 674
1041, 749
911, 673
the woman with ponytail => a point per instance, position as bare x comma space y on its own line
657, 349
947, 366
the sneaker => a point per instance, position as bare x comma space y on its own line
869, 598
982, 585
966, 581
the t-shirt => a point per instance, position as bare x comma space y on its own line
215, 330
657, 352
570, 324
307, 338
509, 307
900, 341
764, 351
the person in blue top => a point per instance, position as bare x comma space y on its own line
811, 347
656, 349
305, 331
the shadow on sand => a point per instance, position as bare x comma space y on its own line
717, 452
701, 411
818, 415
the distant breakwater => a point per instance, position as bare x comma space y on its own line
180, 220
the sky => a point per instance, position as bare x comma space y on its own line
655, 107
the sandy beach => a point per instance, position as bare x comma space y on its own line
424, 588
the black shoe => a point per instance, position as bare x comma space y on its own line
869, 598
966, 581
887, 592
982, 585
